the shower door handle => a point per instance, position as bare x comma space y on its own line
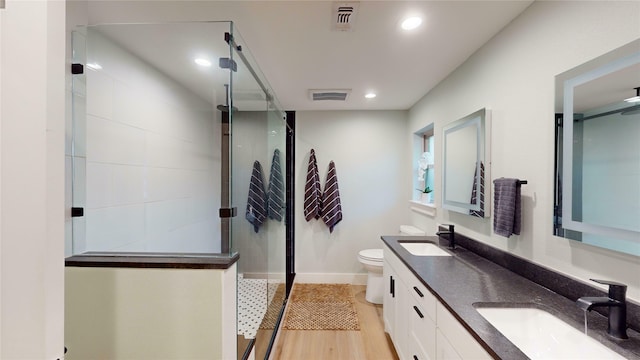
228, 212
77, 212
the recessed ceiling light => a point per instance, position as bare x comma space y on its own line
94, 66
411, 23
203, 62
370, 95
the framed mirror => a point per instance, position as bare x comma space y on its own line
597, 172
466, 164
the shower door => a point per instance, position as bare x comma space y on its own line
258, 169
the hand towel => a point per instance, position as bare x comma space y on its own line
275, 190
312, 190
507, 207
331, 208
474, 192
256, 202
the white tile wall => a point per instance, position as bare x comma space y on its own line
111, 142
80, 125
152, 159
132, 107
100, 90
113, 227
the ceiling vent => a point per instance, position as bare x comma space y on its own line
344, 15
337, 95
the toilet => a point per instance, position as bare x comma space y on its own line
371, 259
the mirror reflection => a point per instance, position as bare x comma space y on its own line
465, 165
597, 197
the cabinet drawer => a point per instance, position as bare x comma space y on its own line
445, 349
422, 330
460, 339
416, 352
423, 296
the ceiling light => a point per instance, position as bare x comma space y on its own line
636, 98
370, 95
94, 66
411, 23
203, 62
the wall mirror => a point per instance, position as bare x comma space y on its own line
597, 172
466, 164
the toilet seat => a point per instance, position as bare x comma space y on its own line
372, 255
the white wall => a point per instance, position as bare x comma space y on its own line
32, 43
370, 151
152, 157
513, 74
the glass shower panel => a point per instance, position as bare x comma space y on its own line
169, 122
75, 149
147, 153
258, 170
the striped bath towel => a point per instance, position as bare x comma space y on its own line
256, 202
312, 192
275, 191
331, 208
474, 192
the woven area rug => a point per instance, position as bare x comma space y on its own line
321, 307
273, 310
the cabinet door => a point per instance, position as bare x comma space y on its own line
401, 339
388, 300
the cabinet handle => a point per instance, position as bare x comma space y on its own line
418, 291
415, 357
393, 287
418, 311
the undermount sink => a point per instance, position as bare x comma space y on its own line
541, 335
423, 249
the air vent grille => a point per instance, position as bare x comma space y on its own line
344, 15
321, 95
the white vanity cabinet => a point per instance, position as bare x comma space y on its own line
420, 327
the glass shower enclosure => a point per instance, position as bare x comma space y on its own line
176, 147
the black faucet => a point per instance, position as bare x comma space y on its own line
617, 304
452, 235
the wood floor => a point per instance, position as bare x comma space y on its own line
370, 343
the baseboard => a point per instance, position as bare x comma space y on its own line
272, 277
331, 278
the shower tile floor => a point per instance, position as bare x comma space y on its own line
254, 296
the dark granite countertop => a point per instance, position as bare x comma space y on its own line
152, 260
465, 279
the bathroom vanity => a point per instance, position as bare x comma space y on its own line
432, 332
431, 307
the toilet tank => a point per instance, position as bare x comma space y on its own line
408, 230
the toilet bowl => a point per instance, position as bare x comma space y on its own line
371, 260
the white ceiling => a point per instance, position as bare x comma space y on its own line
297, 50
